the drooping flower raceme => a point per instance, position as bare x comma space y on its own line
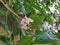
25, 21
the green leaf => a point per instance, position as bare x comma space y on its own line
47, 2
58, 35
32, 1
53, 1
37, 19
36, 5
25, 41
46, 7
23, 32
6, 40
48, 18
27, 7
38, 32
53, 43
1, 14
16, 6
45, 37
4, 26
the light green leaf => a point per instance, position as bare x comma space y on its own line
37, 19
45, 37
25, 40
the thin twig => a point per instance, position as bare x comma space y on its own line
10, 9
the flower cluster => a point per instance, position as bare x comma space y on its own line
25, 21
49, 27
46, 25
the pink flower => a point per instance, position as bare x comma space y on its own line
25, 21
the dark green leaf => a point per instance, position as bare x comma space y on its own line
46, 7
4, 26
48, 18
1, 14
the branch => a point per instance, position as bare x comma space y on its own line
10, 10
